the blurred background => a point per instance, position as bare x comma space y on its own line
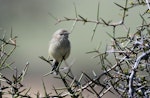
34, 27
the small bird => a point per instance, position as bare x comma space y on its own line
59, 48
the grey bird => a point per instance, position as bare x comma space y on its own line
59, 48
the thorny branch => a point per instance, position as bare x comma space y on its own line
121, 77
11, 87
133, 71
99, 21
74, 87
131, 54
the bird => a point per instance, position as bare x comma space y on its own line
59, 48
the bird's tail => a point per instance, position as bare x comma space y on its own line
55, 66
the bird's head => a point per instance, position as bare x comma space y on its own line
61, 34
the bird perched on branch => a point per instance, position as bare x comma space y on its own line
59, 48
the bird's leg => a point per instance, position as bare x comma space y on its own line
57, 69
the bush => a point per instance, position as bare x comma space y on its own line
126, 76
